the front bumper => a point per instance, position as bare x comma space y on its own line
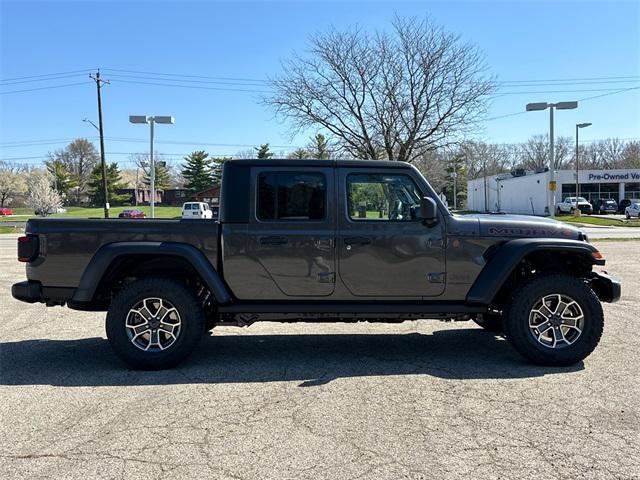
606, 287
588, 209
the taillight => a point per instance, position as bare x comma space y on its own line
27, 248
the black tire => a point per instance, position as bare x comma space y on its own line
572, 211
626, 214
490, 322
516, 321
191, 316
558, 211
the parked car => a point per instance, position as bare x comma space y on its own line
6, 211
131, 213
196, 210
605, 205
569, 206
624, 203
49, 211
632, 211
291, 246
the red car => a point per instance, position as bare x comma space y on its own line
131, 213
6, 211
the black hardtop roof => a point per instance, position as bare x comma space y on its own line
310, 162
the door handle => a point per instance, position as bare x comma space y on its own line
357, 240
273, 240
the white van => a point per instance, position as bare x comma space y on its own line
196, 210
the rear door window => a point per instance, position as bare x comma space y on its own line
291, 196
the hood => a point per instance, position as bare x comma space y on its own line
498, 225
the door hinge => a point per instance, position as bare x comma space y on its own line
437, 277
327, 277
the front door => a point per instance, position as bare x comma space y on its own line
385, 250
292, 235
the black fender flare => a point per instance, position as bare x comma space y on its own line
509, 255
106, 254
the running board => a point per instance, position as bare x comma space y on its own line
345, 308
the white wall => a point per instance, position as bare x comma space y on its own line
523, 195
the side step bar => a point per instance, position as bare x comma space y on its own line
342, 308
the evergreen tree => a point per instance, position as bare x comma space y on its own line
319, 147
61, 178
216, 171
263, 151
114, 183
456, 167
197, 171
163, 177
299, 153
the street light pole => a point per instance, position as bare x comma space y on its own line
551, 187
152, 174
576, 212
552, 165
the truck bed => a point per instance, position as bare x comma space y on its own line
69, 244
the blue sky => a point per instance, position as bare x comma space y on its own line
522, 41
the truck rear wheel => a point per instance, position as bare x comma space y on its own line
154, 323
554, 320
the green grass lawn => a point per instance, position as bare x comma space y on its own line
604, 222
96, 212
10, 230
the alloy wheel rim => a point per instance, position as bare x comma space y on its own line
153, 324
556, 321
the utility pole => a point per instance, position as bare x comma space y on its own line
99, 83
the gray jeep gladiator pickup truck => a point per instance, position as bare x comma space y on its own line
318, 241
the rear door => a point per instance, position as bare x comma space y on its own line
292, 231
384, 249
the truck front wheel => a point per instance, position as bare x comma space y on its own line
154, 323
554, 320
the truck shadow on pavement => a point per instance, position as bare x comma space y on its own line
311, 359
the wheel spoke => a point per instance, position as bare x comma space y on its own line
541, 328
154, 339
167, 327
140, 329
166, 311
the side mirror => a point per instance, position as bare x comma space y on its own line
428, 209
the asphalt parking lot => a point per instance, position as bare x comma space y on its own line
417, 400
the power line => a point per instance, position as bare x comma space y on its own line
44, 88
29, 143
218, 82
86, 70
607, 94
188, 76
192, 86
573, 79
42, 79
580, 100
564, 91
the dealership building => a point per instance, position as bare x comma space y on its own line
526, 192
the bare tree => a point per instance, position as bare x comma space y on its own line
391, 96
11, 183
79, 158
631, 155
40, 195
